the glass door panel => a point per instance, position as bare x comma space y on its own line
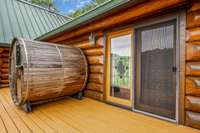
156, 70
119, 88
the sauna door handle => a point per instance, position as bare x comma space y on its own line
174, 69
19, 67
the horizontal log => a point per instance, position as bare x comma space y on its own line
193, 34
195, 5
94, 51
192, 103
193, 51
1, 50
4, 81
4, 70
95, 60
93, 94
96, 69
192, 119
193, 19
193, 86
1, 62
4, 85
131, 14
193, 68
4, 65
94, 87
87, 45
96, 78
5, 60
79, 39
4, 76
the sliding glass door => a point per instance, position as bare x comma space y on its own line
149, 63
155, 90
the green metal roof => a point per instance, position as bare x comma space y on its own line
22, 19
96, 13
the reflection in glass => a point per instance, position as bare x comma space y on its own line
157, 93
120, 66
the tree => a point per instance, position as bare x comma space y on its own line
87, 8
44, 3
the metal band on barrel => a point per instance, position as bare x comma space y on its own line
27, 67
86, 69
61, 58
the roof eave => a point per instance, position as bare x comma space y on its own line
2, 44
90, 16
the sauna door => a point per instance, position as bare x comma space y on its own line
155, 92
119, 67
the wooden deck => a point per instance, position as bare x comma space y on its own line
74, 116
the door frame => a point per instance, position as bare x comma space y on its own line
180, 59
180, 16
108, 98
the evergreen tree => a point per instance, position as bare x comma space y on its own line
44, 3
87, 8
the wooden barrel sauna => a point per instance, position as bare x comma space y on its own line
40, 71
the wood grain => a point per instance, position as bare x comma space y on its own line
192, 86
94, 86
52, 71
95, 60
193, 19
195, 5
96, 69
192, 103
93, 94
96, 78
193, 51
94, 51
193, 68
192, 119
193, 34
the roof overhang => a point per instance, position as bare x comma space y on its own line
2, 44
101, 11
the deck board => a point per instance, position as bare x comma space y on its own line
74, 116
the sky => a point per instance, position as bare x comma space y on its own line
68, 6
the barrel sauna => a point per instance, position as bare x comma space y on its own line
40, 72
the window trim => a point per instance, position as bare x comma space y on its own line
108, 98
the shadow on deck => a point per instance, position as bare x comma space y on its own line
74, 116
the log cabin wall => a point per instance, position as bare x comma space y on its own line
95, 58
192, 90
78, 37
4, 54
